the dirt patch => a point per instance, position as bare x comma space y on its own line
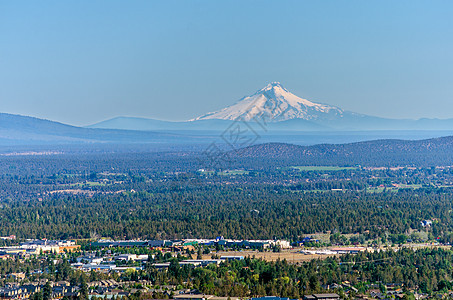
292, 255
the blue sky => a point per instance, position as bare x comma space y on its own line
80, 62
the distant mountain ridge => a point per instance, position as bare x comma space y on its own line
17, 129
281, 110
23, 130
281, 113
134, 123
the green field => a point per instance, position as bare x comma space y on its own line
381, 189
233, 172
393, 188
322, 168
409, 186
225, 172
89, 183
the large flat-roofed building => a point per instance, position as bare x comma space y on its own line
351, 250
231, 257
59, 246
125, 244
332, 296
271, 298
201, 262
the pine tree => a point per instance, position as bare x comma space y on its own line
47, 292
83, 288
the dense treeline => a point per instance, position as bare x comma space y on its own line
155, 195
234, 212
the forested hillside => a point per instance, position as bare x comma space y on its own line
430, 152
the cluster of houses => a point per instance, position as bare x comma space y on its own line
59, 290
109, 288
212, 297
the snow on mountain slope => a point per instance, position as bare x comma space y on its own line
275, 103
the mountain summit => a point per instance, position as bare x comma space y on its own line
282, 111
275, 103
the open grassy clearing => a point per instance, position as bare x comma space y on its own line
322, 168
225, 172
233, 172
88, 183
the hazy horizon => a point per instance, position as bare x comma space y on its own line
84, 62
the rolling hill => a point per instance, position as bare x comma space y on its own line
428, 152
16, 129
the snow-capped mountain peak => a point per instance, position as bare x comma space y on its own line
275, 103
